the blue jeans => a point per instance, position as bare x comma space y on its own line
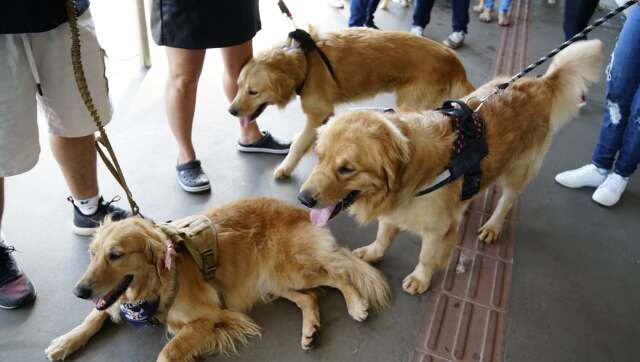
460, 18
504, 5
620, 131
362, 12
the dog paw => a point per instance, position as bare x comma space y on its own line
60, 348
359, 309
369, 253
415, 283
309, 337
488, 233
282, 172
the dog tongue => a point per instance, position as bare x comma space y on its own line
320, 217
244, 121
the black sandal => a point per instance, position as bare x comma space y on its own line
191, 177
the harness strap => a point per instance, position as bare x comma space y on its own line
199, 236
469, 148
307, 44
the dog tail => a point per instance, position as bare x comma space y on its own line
231, 328
369, 281
569, 75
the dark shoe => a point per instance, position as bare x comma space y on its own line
191, 177
86, 225
372, 25
16, 289
267, 144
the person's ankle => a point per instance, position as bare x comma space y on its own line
249, 135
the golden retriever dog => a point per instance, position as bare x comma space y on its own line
421, 72
267, 249
386, 158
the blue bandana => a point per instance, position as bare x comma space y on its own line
141, 313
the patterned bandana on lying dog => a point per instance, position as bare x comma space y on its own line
469, 148
141, 313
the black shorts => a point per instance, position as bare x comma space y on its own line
202, 24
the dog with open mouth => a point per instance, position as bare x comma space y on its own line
346, 66
265, 249
377, 163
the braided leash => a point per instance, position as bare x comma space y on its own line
78, 71
501, 87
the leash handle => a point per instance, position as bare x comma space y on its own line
581, 35
285, 10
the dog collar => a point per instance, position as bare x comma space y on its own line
469, 148
141, 313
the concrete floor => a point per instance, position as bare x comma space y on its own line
574, 296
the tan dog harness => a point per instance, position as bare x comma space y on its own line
199, 236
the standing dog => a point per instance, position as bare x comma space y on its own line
365, 62
266, 248
384, 159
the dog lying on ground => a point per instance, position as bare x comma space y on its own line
421, 72
266, 249
383, 159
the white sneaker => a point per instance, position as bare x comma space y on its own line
609, 193
455, 39
417, 30
585, 176
337, 4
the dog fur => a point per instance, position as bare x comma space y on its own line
366, 62
267, 249
389, 157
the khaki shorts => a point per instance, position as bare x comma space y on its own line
60, 104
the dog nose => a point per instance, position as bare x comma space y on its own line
82, 291
233, 111
306, 199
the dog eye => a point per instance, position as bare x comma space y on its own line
115, 255
344, 170
252, 92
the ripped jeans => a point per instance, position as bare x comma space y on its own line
620, 130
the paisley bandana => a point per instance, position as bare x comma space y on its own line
141, 313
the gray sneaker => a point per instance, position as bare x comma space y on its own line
455, 39
267, 144
191, 177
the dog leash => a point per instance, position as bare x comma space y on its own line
581, 35
102, 140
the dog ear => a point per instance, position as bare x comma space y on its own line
283, 87
395, 153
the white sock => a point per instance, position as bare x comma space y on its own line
88, 206
1, 238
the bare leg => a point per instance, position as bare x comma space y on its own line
185, 66
66, 344
436, 250
307, 302
301, 145
77, 160
374, 251
234, 59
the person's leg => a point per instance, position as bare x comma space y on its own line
623, 78
576, 15
185, 66
628, 64
422, 12
372, 6
358, 15
234, 58
77, 160
460, 16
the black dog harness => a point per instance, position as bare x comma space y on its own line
307, 44
469, 148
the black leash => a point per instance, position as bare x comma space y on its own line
581, 35
307, 43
